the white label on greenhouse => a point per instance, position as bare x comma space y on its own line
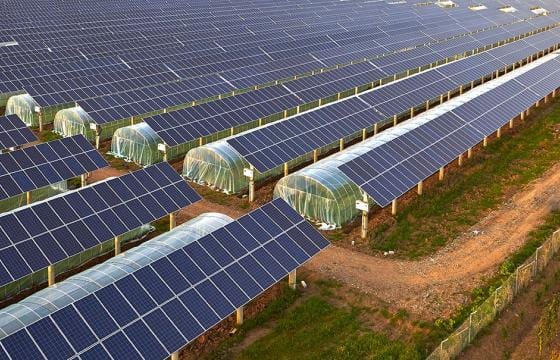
248, 173
362, 206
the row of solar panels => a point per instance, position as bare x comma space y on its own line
185, 125
186, 31
278, 143
114, 107
388, 171
155, 310
46, 93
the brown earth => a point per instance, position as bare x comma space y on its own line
433, 287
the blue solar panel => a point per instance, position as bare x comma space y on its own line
391, 169
160, 319
14, 132
46, 164
52, 230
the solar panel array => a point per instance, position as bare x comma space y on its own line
14, 132
244, 50
390, 170
188, 124
39, 235
159, 308
271, 146
45, 164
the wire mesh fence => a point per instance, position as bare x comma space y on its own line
486, 313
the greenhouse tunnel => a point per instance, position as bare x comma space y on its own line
47, 301
138, 143
23, 106
75, 120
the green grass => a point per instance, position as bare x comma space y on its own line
48, 136
318, 330
452, 206
274, 310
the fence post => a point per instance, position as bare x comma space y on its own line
516, 280
536, 261
470, 325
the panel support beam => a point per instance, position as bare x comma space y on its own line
485, 141
175, 355
511, 123
420, 187
394, 207
441, 174
469, 153
83, 180
499, 133
239, 316
315, 155
28, 198
292, 278
460, 160
341, 144
172, 220
117, 245
365, 217
286, 169
51, 275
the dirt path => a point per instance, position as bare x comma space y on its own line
434, 286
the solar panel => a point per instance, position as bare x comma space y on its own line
14, 132
45, 164
391, 169
52, 230
178, 295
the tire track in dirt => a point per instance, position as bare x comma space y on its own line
434, 286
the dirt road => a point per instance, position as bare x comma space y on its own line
434, 286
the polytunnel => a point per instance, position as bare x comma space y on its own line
219, 166
75, 121
23, 106
322, 193
139, 143
49, 300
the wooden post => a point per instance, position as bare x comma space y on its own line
341, 144
252, 184
292, 278
315, 155
51, 275
364, 134
469, 153
239, 316
83, 180
485, 141
394, 120
375, 129
394, 207
460, 160
172, 220
420, 187
511, 123
28, 199
117, 245
232, 132
286, 170
175, 355
499, 133
364, 217
411, 112
441, 173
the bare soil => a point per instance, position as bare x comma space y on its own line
434, 286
